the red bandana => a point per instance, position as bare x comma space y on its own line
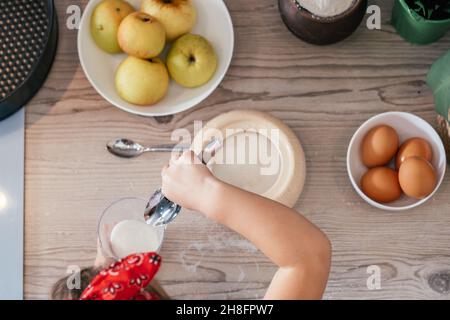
125, 279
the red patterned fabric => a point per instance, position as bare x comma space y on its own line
125, 279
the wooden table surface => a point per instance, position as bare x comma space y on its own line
322, 93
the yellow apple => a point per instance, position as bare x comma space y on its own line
105, 21
192, 61
177, 16
141, 35
142, 82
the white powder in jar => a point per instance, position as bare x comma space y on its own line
326, 8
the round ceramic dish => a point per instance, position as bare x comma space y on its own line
288, 184
213, 22
118, 211
318, 30
407, 126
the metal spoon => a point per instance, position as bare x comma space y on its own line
126, 148
160, 211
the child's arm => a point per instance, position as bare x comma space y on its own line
298, 247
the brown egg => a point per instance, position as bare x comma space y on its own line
381, 184
414, 147
379, 146
417, 177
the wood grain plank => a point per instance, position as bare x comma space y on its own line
322, 93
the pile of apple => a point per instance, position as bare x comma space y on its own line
143, 78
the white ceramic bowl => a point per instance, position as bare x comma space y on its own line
214, 23
407, 126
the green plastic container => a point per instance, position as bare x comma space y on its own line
414, 28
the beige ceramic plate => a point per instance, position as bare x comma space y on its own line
261, 154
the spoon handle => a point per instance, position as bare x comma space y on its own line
166, 148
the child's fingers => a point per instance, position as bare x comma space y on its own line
188, 157
174, 157
164, 169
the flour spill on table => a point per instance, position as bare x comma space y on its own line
192, 257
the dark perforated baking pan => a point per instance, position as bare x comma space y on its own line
28, 42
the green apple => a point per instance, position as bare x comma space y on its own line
142, 82
105, 21
177, 16
141, 35
192, 61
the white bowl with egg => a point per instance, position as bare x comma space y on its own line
122, 229
407, 126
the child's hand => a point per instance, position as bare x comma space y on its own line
186, 181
